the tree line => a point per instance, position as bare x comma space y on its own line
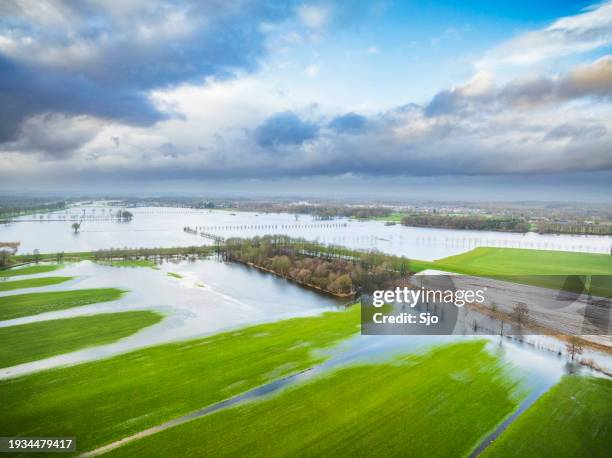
479, 223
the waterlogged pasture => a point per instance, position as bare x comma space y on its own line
32, 283
156, 384
353, 393
29, 342
23, 305
29, 270
200, 298
440, 403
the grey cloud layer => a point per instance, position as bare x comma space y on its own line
102, 58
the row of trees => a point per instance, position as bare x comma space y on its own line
479, 223
26, 206
574, 228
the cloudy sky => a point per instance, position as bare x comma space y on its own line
478, 99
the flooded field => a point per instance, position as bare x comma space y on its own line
156, 227
211, 296
206, 296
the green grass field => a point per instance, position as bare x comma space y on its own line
34, 341
395, 217
533, 267
439, 404
30, 270
573, 419
18, 305
106, 400
32, 283
514, 261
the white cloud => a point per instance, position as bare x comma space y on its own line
583, 32
314, 16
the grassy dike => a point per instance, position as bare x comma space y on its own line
34, 341
19, 305
32, 283
438, 404
573, 419
106, 400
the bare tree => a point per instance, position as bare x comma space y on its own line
521, 313
574, 347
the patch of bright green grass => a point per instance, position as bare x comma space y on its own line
34, 341
573, 419
439, 404
174, 275
543, 268
395, 217
19, 305
103, 401
514, 261
32, 283
30, 270
131, 263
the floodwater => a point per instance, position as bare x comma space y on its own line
160, 226
212, 296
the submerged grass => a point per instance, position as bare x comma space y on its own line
19, 305
105, 400
573, 419
438, 404
34, 341
32, 283
29, 270
174, 275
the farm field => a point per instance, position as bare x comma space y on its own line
514, 261
573, 419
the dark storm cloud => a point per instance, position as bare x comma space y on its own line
349, 122
285, 128
101, 58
